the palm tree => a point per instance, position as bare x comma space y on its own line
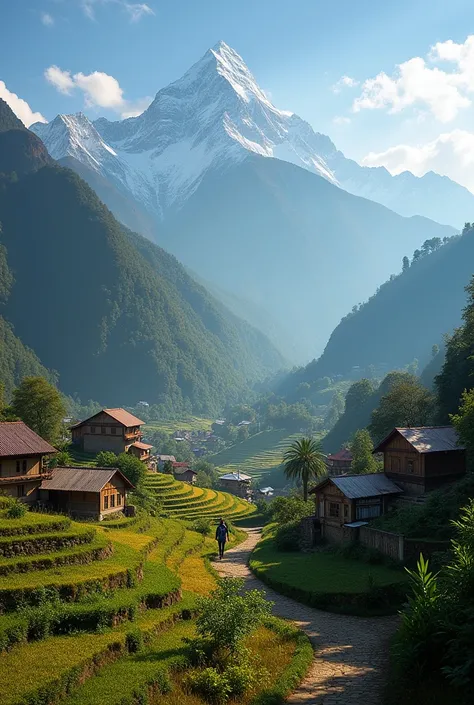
304, 460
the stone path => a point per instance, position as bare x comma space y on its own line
350, 661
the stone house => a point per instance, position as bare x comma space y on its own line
237, 483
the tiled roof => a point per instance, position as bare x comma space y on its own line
142, 446
180, 465
82, 479
183, 471
357, 486
16, 438
343, 454
121, 415
427, 439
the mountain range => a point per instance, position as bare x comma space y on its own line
114, 315
254, 201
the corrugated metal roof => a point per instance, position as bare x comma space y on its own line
164, 458
81, 479
431, 439
121, 415
16, 438
183, 471
357, 486
235, 476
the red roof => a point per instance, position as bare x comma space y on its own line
180, 465
121, 415
142, 446
16, 438
343, 454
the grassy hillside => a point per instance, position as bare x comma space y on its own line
189, 423
257, 455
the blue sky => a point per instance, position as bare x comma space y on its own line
297, 51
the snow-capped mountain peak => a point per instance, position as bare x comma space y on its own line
214, 117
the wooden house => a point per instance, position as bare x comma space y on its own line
86, 492
344, 501
422, 458
22, 454
140, 450
116, 430
236, 483
182, 472
340, 462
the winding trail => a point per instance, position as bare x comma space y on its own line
349, 666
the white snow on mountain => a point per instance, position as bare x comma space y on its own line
212, 118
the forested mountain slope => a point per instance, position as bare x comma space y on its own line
119, 319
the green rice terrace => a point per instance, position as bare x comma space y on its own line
257, 455
183, 501
99, 614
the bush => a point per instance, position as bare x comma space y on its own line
240, 679
17, 510
286, 509
210, 685
287, 536
202, 526
134, 641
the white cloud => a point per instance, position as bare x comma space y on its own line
47, 19
20, 107
100, 90
450, 154
134, 10
344, 82
61, 80
417, 82
341, 120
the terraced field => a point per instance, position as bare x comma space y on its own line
183, 501
192, 423
257, 455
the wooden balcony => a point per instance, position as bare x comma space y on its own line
12, 479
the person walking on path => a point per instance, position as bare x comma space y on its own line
222, 534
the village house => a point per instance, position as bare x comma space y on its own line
340, 462
85, 492
236, 483
22, 456
141, 450
115, 430
421, 459
347, 502
182, 472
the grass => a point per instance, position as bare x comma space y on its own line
191, 423
257, 455
328, 581
32, 523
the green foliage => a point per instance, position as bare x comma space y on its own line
358, 395
106, 459
210, 684
463, 421
61, 459
39, 404
408, 403
304, 461
361, 448
134, 641
16, 510
286, 509
132, 468
202, 526
227, 616
335, 411
288, 536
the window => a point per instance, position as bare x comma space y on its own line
114, 430
103, 429
106, 502
370, 511
0, 469
92, 429
23, 467
346, 511
112, 500
410, 466
119, 499
18, 466
333, 509
21, 491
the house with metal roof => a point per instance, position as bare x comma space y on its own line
116, 430
423, 458
22, 454
237, 483
345, 501
85, 492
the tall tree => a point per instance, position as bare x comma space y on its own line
304, 460
40, 406
407, 403
361, 448
463, 421
405, 264
358, 394
335, 411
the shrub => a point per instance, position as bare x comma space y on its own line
202, 526
17, 510
286, 509
210, 685
134, 641
240, 679
287, 536
161, 681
